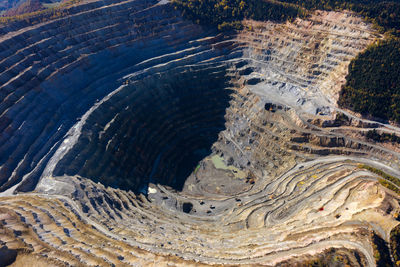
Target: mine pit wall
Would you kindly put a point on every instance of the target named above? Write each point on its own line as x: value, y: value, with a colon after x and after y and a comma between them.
x: 305, y: 61
x: 53, y: 73
x: 17, y: 25
x: 274, y: 77
x: 88, y: 61
x: 154, y: 130
x: 296, y: 69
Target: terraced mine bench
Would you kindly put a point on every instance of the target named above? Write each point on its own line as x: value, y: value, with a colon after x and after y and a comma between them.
x: 131, y: 136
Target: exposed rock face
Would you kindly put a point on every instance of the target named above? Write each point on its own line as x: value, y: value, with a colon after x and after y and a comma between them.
x: 232, y: 138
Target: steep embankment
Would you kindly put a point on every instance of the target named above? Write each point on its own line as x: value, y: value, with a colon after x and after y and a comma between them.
x: 236, y: 140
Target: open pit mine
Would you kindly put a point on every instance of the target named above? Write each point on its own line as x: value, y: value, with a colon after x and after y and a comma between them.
x: 130, y: 136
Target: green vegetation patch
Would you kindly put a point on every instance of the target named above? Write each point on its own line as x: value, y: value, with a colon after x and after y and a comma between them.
x: 53, y: 12
x: 373, y: 82
x: 382, y: 13
x: 227, y: 14
x: 383, y: 137
x: 389, y: 185
x: 395, y: 244
x: 386, y: 178
x: 381, y: 251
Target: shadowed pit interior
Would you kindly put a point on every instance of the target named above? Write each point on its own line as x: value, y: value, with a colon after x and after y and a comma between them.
x: 154, y: 130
